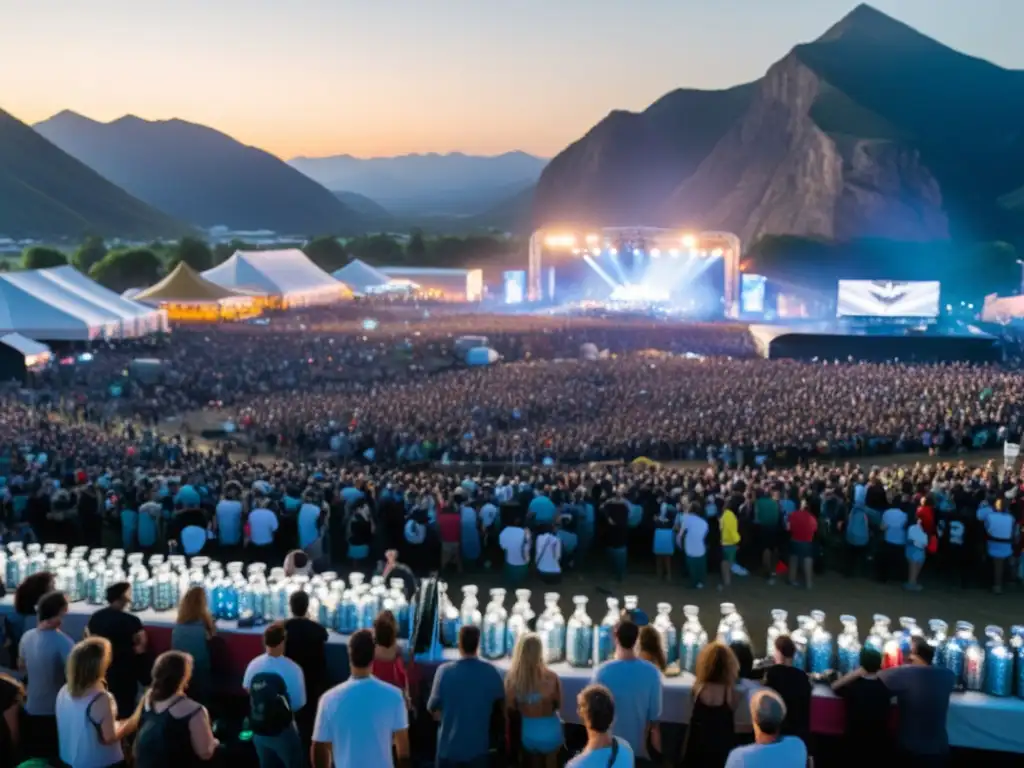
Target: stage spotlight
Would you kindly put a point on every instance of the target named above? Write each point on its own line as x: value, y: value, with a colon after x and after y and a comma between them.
x: 575, y: 251
x: 593, y: 239
x: 595, y: 251
x: 614, y: 251
x: 689, y: 241
x: 655, y: 253
x: 636, y: 251
x: 717, y: 253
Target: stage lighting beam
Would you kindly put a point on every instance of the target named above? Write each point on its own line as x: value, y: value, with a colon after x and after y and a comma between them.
x: 689, y: 241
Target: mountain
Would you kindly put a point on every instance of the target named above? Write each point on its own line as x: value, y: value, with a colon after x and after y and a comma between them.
x: 511, y: 214
x: 871, y: 131
x: 627, y: 165
x: 44, y: 192
x: 427, y: 184
x: 364, y: 206
x: 200, y: 175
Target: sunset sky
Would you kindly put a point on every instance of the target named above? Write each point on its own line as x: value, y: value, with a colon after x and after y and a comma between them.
x: 382, y: 77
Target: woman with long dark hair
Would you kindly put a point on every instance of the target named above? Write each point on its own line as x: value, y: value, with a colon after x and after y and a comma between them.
x: 174, y: 730
x: 192, y: 634
x: 710, y: 734
x: 26, y: 598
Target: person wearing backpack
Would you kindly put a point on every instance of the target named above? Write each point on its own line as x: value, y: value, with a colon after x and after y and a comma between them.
x: 277, y: 690
x: 857, y: 530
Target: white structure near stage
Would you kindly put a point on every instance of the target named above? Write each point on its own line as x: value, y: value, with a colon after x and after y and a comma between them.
x: 287, y: 278
x: 61, y: 304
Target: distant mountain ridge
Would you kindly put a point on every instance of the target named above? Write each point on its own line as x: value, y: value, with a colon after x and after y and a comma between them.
x: 200, y: 175
x: 454, y: 184
x: 873, y: 130
x: 45, y: 192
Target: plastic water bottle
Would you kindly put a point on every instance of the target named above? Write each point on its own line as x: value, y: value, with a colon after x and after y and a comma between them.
x: 848, y: 645
x: 551, y: 628
x: 776, y: 629
x: 604, y: 634
x: 692, y: 638
x: 579, y: 635
x: 667, y: 632
x: 820, y: 650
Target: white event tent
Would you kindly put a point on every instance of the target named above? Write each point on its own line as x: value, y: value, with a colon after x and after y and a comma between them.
x: 286, y: 276
x: 63, y: 305
x: 361, y: 277
x: 139, y: 319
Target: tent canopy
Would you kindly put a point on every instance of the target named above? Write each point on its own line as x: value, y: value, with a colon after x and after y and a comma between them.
x: 288, y: 274
x: 45, y: 317
x: 359, y: 276
x: 138, y: 319
x: 185, y: 285
x: 24, y: 345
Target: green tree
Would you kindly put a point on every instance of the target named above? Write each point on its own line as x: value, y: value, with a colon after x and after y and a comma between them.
x: 380, y: 250
x: 41, y: 257
x: 131, y: 268
x: 223, y: 251
x: 327, y: 253
x: 193, y: 252
x: 416, y: 248
x: 91, y: 251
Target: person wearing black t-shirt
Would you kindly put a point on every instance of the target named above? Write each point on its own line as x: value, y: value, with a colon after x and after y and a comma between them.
x: 868, y: 704
x: 616, y: 534
x: 793, y: 686
x: 306, y: 645
x: 128, y: 641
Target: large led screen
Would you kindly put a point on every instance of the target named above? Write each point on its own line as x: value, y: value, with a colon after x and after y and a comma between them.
x: 888, y: 298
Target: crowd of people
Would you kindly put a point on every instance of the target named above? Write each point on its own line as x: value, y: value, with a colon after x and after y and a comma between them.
x: 106, y: 699
x: 371, y: 448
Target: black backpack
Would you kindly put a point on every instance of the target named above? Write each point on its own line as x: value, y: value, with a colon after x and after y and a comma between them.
x: 269, y: 710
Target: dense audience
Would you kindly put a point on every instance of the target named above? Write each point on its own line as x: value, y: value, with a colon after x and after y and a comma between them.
x: 370, y: 448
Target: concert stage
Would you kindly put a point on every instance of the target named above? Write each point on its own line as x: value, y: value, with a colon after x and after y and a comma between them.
x: 878, y: 344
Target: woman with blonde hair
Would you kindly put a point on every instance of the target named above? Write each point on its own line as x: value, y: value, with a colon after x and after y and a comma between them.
x: 711, y: 733
x: 535, y: 692
x: 650, y: 647
x: 192, y: 634
x: 88, y: 730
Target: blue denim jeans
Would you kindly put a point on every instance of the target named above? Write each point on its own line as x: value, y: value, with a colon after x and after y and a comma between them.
x: 281, y: 751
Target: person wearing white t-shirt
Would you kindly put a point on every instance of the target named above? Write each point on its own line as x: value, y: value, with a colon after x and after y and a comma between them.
x: 549, y: 556
x: 917, y: 546
x: 999, y: 525
x: 515, y: 542
x: 894, y: 534
x: 358, y: 721
x: 693, y: 533
x: 285, y: 747
x: 262, y: 524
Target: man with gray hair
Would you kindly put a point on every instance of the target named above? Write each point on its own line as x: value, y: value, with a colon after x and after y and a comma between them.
x: 770, y: 749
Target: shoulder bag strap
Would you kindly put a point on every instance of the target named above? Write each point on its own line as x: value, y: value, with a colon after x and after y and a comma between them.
x: 615, y: 752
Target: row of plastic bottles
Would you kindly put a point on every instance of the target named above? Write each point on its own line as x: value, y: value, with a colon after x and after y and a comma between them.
x: 160, y: 583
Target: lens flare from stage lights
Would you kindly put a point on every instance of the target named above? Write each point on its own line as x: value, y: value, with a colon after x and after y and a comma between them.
x: 639, y: 294
x: 689, y: 241
x: 560, y: 241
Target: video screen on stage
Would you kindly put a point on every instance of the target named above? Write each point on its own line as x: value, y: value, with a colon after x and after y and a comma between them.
x: 515, y: 287
x: 752, y: 294
x: 888, y: 298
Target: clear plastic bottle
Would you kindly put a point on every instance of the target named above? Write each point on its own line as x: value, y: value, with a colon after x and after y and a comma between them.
x: 519, y: 620
x: 801, y: 638
x: 821, y: 650
x: 495, y: 626
x: 604, y: 633
x: 938, y: 640
x: 667, y: 632
x: 551, y: 628
x: 776, y: 629
x: 579, y: 635
x: 848, y: 645
x: 692, y: 638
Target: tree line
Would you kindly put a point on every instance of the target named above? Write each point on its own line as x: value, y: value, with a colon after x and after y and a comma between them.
x: 140, y: 266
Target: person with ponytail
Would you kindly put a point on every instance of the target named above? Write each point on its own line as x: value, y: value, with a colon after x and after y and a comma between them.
x: 174, y: 731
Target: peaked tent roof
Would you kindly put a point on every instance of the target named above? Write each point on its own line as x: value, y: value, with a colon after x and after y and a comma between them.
x: 24, y: 311
x: 287, y: 273
x: 185, y: 285
x: 360, y: 275
x: 138, y: 318
x: 52, y: 293
x: 24, y: 344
